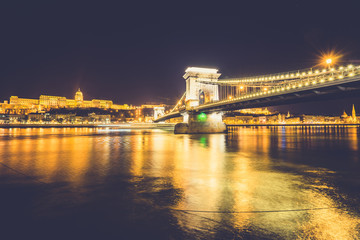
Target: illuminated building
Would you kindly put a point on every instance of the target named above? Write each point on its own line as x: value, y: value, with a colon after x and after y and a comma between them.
x: 79, y: 98
x: 353, y: 115
x: 23, y: 101
x: 51, y: 101
x: 262, y: 111
x: 344, y: 115
x: 19, y: 105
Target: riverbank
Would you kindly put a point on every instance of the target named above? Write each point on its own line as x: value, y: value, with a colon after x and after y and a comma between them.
x: 121, y: 125
x: 296, y: 125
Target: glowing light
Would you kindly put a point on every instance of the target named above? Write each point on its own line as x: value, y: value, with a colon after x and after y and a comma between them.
x: 201, y: 70
x: 202, y: 117
x: 330, y: 58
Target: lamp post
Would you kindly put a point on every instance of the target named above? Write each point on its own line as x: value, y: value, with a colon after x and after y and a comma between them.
x: 328, y: 62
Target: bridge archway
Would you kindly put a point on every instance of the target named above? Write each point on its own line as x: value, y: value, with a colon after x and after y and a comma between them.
x: 202, y: 99
x: 201, y: 86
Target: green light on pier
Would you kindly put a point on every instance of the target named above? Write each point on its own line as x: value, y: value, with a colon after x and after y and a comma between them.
x: 202, y: 117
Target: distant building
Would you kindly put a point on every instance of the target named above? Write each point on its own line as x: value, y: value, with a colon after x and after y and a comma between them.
x: 350, y: 119
x: 344, y: 115
x: 45, y: 102
x: 257, y: 111
x: 353, y: 115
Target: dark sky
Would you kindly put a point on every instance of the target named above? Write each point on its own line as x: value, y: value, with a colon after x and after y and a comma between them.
x: 136, y: 51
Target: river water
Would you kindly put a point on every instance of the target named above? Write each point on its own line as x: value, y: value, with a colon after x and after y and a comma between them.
x: 254, y: 183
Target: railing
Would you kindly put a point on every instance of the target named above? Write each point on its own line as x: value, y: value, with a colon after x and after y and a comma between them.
x: 310, y: 80
x: 292, y: 75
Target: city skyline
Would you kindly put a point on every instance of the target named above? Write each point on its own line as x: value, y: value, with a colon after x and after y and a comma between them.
x: 112, y: 52
x: 331, y: 107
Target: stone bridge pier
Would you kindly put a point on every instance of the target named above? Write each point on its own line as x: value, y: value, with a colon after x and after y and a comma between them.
x: 201, y: 88
x: 201, y: 123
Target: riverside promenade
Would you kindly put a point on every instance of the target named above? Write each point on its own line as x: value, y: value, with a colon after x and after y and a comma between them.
x: 118, y: 125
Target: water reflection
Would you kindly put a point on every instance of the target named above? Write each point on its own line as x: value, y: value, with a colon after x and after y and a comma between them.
x: 246, y: 172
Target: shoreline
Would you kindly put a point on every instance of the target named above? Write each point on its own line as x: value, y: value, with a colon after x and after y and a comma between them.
x: 296, y: 125
x: 168, y: 125
x: 120, y: 125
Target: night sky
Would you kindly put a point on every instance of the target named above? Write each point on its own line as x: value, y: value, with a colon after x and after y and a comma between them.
x: 136, y: 51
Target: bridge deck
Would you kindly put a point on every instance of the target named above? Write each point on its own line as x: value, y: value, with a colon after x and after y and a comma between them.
x: 312, y: 88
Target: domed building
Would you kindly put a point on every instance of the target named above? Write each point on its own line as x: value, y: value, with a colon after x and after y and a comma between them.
x: 19, y: 105
x: 79, y: 96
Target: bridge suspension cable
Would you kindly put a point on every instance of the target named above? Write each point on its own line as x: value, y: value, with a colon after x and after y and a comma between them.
x: 309, y: 80
x: 236, y: 87
x: 249, y: 92
x: 179, y: 103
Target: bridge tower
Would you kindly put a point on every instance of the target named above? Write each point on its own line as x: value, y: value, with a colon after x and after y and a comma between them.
x: 200, y: 86
x: 158, y: 111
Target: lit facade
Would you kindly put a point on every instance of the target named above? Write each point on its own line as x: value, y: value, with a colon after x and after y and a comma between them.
x: 198, y: 93
x: 19, y: 105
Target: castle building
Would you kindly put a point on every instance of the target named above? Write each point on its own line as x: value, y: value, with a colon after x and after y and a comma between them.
x: 79, y: 96
x: 19, y: 105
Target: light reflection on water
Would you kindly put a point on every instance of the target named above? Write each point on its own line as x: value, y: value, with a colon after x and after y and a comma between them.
x: 252, y: 170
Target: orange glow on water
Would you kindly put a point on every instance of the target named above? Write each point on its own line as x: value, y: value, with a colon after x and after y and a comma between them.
x: 210, y: 172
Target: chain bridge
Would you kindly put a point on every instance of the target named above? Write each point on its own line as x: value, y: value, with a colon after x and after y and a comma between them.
x: 207, y: 97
